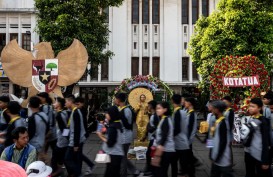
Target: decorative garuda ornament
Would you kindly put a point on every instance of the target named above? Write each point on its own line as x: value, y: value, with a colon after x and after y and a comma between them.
x: 45, y: 73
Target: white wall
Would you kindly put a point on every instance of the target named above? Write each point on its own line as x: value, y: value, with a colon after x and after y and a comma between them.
x: 16, y: 3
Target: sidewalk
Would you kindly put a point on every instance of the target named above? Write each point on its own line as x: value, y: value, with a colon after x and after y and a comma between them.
x: 93, y: 145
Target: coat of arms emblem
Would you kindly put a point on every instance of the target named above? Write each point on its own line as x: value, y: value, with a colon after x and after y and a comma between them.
x: 45, y: 74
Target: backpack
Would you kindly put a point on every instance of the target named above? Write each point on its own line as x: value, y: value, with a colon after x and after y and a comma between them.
x: 124, y: 120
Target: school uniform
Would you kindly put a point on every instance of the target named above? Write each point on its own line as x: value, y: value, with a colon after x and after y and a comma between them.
x: 220, y: 152
x: 126, y: 116
x: 4, y: 120
x: 229, y: 118
x: 13, y: 123
x: 114, y: 148
x: 185, y: 127
x: 257, y: 148
x: 151, y: 129
x: 73, y: 159
x: 164, y: 137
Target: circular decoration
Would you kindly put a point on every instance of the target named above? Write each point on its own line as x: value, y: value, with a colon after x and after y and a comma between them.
x: 135, y: 94
x: 237, y: 67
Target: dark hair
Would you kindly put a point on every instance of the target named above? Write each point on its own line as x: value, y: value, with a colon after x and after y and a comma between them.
x: 4, y: 99
x: 176, y: 99
x: 14, y: 107
x: 113, y: 113
x: 185, y: 95
x: 269, y: 95
x: 71, y: 98
x: 153, y: 104
x: 219, y: 104
x: 228, y: 98
x: 17, y: 131
x: 166, y: 105
x: 121, y: 96
x: 79, y: 100
x: 257, y: 101
x: 192, y: 101
x: 34, y: 102
x: 46, y: 96
x: 61, y: 101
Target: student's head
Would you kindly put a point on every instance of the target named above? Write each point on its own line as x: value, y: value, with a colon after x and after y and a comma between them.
x: 112, y: 114
x: 4, y: 100
x: 268, y: 97
x: 176, y: 99
x: 45, y: 98
x: 152, y: 105
x: 163, y: 109
x: 59, y: 103
x: 79, y: 102
x: 209, y: 106
x: 218, y: 107
x: 190, y: 102
x: 34, y: 102
x: 183, y: 97
x: 227, y: 100
x: 142, y: 98
x: 70, y: 101
x: 120, y: 98
x: 255, y: 106
x: 20, y: 136
x: 14, y: 108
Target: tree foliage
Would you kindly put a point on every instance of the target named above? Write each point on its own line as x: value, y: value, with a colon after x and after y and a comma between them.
x: 59, y: 21
x: 238, y: 28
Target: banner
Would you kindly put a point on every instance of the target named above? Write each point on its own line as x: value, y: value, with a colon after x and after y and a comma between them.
x: 241, y: 81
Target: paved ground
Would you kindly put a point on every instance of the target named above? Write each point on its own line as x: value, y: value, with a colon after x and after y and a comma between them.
x: 93, y: 145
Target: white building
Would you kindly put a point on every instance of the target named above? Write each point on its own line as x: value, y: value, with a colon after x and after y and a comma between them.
x: 147, y: 37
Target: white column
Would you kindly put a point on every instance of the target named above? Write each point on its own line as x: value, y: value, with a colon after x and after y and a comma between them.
x: 151, y: 36
x: 88, y: 79
x: 7, y: 29
x: 99, y: 73
x: 190, y: 33
x: 140, y: 37
x: 180, y: 37
x: 110, y: 43
x: 129, y: 37
x: 19, y: 31
x: 200, y: 8
x: 161, y: 41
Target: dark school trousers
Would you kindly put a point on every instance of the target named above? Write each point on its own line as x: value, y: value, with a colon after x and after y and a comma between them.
x: 217, y: 171
x: 125, y: 163
x: 113, y: 168
x: 166, y: 160
x: 73, y: 161
x: 254, y: 167
x: 186, y: 163
x: 148, y: 156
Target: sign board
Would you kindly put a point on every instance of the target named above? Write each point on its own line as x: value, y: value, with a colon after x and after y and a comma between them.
x: 241, y: 81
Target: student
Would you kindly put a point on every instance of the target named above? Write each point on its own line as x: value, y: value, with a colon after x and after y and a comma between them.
x: 267, y: 99
x: 151, y: 129
x: 80, y: 105
x: 210, y: 119
x: 37, y: 127
x: 219, y: 142
x: 21, y: 152
x: 73, y: 156
x: 257, y: 151
x: 4, y: 119
x: 112, y: 143
x: 165, y: 149
x: 127, y: 124
x: 46, y: 107
x: 229, y: 115
x: 13, y: 111
x: 57, y: 160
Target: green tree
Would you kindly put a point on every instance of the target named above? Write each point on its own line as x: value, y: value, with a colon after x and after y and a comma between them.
x: 51, y: 66
x: 237, y: 27
x: 59, y: 21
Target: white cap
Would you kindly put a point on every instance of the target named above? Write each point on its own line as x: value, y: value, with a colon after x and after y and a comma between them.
x: 38, y: 169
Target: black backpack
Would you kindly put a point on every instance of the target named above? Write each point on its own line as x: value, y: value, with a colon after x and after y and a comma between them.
x: 124, y: 120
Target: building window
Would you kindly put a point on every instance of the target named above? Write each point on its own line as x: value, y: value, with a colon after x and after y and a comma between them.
x: 106, y: 13
x: 155, y: 45
x: 156, y: 18
x: 205, y: 7
x: 26, y: 41
x: 185, y: 45
x: 155, y: 29
x: 135, y: 45
x: 94, y: 71
x: 145, y: 29
x: 185, y: 29
x: 156, y: 66
x: 185, y: 11
x: 134, y: 66
x: 145, y: 45
x: 145, y: 12
x: 145, y: 66
x: 104, y: 70
x: 2, y: 41
x: 194, y: 72
x: 135, y: 29
x: 195, y: 4
x: 13, y: 36
x: 185, y: 68
x: 135, y: 11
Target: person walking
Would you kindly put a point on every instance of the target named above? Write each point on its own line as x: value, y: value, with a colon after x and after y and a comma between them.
x: 112, y: 143
x: 4, y: 118
x: 73, y: 156
x: 165, y: 148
